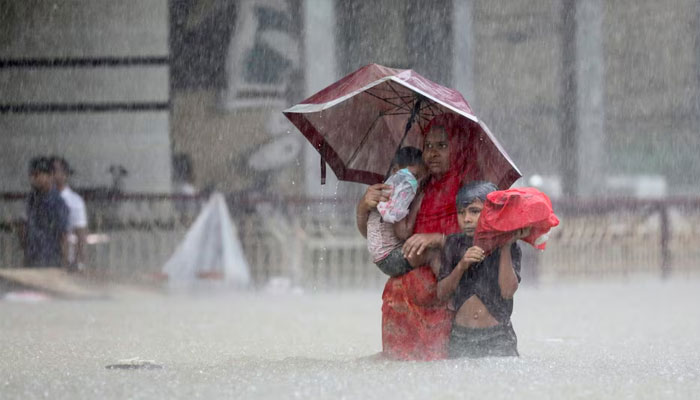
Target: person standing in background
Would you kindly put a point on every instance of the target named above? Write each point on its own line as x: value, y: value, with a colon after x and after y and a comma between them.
x: 45, y: 241
x: 185, y: 191
x: 77, y: 215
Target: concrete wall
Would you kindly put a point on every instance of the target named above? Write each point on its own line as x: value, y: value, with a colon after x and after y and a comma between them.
x: 517, y: 66
x: 220, y: 142
x: 652, y: 62
x: 651, y: 88
x: 91, y: 141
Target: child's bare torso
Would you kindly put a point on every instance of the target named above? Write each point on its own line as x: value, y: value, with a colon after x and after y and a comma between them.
x: 474, y: 314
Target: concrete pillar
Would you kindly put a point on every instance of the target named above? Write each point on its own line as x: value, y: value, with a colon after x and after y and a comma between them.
x: 567, y: 121
x: 590, y: 97
x: 463, y: 51
x: 583, y: 95
x: 320, y: 70
x: 696, y: 94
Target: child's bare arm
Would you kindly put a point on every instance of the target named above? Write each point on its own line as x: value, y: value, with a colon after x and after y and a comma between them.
x: 373, y: 195
x: 435, y: 261
x: 404, y: 228
x: 507, y: 279
x: 447, y: 286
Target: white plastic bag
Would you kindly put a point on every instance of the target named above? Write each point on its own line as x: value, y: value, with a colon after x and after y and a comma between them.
x: 210, y: 247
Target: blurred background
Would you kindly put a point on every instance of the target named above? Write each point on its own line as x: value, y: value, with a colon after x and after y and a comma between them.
x: 155, y: 104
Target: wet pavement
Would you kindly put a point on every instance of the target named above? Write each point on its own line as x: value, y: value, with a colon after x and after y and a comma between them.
x: 588, y: 340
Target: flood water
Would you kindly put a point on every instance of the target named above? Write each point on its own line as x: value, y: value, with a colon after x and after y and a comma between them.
x: 588, y: 340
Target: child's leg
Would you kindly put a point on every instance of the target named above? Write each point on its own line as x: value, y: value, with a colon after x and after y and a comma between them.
x: 394, y: 264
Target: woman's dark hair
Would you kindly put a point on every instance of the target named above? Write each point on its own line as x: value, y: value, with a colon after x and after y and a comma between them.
x: 406, y: 156
x: 472, y: 191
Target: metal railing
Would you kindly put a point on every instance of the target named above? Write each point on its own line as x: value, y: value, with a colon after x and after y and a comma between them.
x: 314, y: 243
x: 622, y: 236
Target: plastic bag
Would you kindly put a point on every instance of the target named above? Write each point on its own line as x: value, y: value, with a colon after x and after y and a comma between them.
x: 210, y: 249
x: 404, y: 186
x: 506, y: 211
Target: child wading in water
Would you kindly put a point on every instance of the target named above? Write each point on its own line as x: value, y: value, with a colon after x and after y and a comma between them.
x: 392, y: 221
x: 479, y: 287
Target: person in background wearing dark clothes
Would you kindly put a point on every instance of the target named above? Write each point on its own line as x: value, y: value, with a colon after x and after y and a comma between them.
x: 479, y: 287
x: 46, y: 235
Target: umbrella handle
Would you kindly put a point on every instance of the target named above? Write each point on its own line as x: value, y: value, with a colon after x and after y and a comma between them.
x: 323, y: 163
x: 414, y: 112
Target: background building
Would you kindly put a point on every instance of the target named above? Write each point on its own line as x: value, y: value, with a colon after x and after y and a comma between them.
x: 88, y: 80
x: 595, y: 97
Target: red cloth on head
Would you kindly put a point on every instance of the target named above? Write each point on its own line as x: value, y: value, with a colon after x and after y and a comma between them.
x: 506, y: 211
x: 415, y: 324
x: 438, y: 212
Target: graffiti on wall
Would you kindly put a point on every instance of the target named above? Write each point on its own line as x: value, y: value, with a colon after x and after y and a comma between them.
x: 264, y: 56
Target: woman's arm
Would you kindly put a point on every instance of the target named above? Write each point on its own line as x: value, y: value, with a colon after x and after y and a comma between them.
x: 447, y: 286
x: 418, y: 243
x: 404, y: 228
x: 373, y: 195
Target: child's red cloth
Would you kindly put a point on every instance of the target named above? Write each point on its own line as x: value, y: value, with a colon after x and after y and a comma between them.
x: 506, y: 211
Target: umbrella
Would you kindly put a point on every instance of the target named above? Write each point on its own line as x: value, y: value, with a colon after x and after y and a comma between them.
x: 359, y: 122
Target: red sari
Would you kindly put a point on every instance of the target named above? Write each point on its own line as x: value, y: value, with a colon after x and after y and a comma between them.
x: 415, y: 324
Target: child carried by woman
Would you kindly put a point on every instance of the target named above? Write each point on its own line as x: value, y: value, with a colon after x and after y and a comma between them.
x: 392, y: 221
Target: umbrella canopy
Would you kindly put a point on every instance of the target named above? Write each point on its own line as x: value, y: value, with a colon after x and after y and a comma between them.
x: 359, y: 122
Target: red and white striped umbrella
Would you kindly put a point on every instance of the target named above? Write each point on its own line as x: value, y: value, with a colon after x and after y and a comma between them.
x: 359, y: 122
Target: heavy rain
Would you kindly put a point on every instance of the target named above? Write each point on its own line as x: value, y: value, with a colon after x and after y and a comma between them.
x: 190, y: 199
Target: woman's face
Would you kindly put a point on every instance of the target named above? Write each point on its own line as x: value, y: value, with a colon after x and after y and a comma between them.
x: 436, y: 151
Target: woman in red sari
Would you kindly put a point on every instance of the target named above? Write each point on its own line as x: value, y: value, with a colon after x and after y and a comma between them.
x: 415, y: 324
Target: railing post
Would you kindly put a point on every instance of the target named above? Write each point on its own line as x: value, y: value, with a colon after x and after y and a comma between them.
x: 665, y: 239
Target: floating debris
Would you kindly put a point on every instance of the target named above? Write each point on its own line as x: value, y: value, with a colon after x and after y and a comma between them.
x: 135, y: 363
x: 25, y: 296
